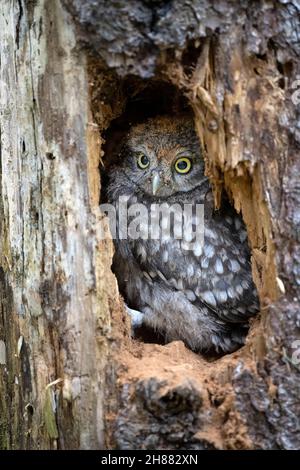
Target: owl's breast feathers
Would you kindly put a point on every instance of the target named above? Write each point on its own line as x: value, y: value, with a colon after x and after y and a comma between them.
x: 215, y: 274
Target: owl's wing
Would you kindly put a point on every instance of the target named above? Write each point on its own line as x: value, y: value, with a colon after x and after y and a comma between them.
x: 216, y: 274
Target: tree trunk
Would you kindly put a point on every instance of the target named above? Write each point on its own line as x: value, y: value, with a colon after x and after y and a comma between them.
x: 55, y: 280
x: 71, y: 377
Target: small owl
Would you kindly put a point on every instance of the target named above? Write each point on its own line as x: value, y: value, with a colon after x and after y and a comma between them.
x: 198, y: 292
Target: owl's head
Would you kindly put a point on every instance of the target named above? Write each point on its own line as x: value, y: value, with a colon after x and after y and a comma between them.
x: 163, y: 156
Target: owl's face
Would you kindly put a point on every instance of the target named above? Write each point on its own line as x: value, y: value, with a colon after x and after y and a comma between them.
x: 163, y: 157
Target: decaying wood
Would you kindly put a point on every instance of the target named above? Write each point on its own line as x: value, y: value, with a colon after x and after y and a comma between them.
x: 69, y: 377
x: 55, y: 279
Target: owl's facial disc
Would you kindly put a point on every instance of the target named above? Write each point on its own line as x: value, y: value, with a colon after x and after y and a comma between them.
x: 163, y: 178
x: 164, y: 157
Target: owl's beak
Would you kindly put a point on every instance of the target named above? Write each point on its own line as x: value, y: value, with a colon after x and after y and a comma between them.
x: 156, y: 183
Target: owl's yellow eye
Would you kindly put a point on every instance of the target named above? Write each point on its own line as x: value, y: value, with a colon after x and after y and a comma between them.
x: 183, y: 165
x: 143, y: 161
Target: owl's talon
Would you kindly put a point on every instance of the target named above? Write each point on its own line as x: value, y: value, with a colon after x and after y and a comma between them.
x: 136, y: 317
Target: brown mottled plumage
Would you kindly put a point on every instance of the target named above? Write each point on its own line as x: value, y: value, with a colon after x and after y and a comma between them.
x: 203, y: 296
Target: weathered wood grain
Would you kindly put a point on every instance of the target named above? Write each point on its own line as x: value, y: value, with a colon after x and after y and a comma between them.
x: 55, y: 284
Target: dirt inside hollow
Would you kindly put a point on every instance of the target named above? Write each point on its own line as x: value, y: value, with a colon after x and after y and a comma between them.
x: 163, y: 370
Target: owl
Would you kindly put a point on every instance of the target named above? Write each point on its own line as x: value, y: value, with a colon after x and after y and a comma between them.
x: 200, y: 292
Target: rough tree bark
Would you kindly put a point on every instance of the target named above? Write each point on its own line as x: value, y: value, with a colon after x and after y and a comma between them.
x: 70, y: 375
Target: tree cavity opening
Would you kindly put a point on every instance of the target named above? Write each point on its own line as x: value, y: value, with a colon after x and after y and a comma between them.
x: 132, y: 101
